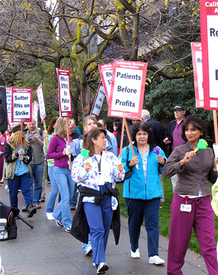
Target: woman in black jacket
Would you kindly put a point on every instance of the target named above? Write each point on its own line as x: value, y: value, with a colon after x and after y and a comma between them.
x: 18, y: 155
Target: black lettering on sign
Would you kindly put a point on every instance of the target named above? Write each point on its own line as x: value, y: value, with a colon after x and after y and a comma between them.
x: 213, y: 32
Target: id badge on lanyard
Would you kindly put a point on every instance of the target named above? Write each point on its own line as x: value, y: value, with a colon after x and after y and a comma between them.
x: 186, y: 207
x: 100, y: 178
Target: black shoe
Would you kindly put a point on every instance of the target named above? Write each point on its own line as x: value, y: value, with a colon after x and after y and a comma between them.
x: 42, y: 198
x: 31, y: 210
x: 24, y: 209
x: 72, y: 207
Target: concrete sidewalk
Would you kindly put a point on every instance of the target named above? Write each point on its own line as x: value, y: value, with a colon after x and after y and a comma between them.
x: 47, y: 249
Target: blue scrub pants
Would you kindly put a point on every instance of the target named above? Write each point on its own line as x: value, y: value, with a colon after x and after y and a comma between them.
x: 99, y: 219
x: 149, y: 210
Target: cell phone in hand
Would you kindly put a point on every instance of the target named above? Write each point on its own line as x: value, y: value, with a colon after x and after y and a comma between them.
x: 30, y: 137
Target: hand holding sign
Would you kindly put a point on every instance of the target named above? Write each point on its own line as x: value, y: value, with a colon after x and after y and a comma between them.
x: 67, y: 151
x: 20, y: 153
x: 134, y: 161
x: 120, y: 167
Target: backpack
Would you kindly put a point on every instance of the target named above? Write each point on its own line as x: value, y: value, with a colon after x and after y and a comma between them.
x: 8, y: 227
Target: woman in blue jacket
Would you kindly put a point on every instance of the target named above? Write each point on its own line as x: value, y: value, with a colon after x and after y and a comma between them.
x: 143, y: 191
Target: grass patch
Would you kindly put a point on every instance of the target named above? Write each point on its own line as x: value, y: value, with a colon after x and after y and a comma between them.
x: 165, y: 215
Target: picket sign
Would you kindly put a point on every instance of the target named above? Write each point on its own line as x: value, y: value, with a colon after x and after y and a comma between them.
x: 127, y: 89
x: 41, y: 102
x: 21, y: 108
x: 98, y: 102
x: 35, y: 109
x: 198, y: 73
x: 42, y: 108
x: 65, y: 101
x: 9, y: 104
x: 106, y: 71
x: 209, y: 41
x: 127, y: 93
x: 124, y: 84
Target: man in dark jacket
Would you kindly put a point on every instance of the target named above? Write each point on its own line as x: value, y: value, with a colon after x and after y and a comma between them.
x: 174, y: 129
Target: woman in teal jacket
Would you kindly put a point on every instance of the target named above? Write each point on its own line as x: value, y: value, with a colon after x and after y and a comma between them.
x: 143, y: 191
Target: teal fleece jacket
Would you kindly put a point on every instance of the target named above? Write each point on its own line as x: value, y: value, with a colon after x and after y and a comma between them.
x: 136, y: 187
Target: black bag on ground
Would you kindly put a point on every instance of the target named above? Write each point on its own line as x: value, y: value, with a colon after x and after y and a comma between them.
x: 8, y: 230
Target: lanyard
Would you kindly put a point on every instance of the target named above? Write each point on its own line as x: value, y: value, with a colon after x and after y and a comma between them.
x: 99, y: 163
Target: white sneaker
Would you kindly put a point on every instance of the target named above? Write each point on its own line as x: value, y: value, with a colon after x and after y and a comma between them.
x: 136, y: 254
x: 156, y: 260
x: 68, y: 229
x: 50, y: 216
x: 102, y: 268
x: 89, y: 250
x: 59, y: 223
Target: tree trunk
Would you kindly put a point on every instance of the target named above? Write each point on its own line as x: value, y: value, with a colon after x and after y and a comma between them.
x: 85, y: 97
x: 75, y: 105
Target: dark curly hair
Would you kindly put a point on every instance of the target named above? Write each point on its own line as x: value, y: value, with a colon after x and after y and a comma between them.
x: 197, y: 124
x: 142, y: 126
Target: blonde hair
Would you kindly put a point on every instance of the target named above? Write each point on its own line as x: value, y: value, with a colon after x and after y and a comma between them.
x: 72, y: 120
x: 16, y: 140
x: 86, y: 119
x: 60, y: 127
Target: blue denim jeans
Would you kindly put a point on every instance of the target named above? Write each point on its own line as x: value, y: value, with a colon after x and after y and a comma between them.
x: 23, y: 183
x: 54, y: 191
x: 73, y: 201
x: 36, y: 182
x: 66, y: 189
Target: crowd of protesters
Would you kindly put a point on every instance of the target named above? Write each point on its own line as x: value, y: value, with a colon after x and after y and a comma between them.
x: 84, y: 170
